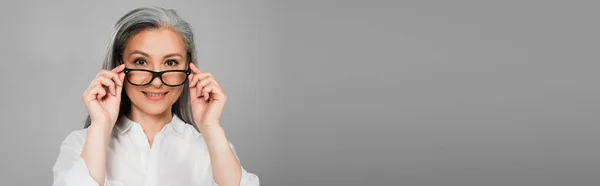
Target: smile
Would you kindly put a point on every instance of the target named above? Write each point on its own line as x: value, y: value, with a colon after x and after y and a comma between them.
x: 155, y: 95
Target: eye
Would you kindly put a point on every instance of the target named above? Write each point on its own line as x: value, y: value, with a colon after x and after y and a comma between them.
x: 171, y: 63
x: 139, y: 62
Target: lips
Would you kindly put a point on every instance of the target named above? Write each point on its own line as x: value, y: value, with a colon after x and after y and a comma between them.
x: 154, y: 96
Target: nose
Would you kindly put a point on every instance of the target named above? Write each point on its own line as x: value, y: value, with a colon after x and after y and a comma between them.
x: 156, y: 82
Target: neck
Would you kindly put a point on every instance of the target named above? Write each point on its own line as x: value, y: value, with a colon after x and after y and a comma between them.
x: 151, y: 123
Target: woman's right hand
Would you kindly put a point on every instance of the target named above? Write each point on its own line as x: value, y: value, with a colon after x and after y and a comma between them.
x: 103, y: 97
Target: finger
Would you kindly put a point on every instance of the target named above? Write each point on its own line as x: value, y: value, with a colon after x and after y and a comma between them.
x: 112, y: 75
x: 109, y: 83
x: 198, y: 77
x: 206, y: 91
x: 194, y: 68
x: 100, y: 92
x: 192, y: 82
x: 215, y: 82
x: 205, y: 81
x: 209, y: 81
x: 216, y: 89
x: 90, y: 93
x: 118, y: 69
x: 198, y: 91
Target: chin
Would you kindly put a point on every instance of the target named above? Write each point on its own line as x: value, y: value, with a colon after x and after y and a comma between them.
x: 155, y: 109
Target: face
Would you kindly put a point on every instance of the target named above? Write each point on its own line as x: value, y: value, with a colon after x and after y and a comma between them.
x: 156, y: 50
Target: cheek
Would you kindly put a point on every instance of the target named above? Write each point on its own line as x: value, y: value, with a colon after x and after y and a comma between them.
x: 176, y: 92
x: 130, y: 90
x: 134, y: 93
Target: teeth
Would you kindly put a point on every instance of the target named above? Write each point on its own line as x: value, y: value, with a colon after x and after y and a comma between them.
x: 150, y: 94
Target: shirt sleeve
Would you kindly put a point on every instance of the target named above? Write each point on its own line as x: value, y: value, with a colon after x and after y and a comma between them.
x: 248, y: 179
x: 70, y: 169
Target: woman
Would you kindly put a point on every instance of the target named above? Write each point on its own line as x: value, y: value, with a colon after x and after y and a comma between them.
x: 154, y: 117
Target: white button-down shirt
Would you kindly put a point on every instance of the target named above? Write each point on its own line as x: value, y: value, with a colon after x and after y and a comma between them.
x: 179, y: 156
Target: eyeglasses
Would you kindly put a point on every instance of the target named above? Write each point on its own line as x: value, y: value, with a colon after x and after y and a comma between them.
x: 143, y: 77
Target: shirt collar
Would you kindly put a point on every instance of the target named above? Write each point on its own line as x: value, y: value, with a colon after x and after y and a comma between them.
x: 124, y: 124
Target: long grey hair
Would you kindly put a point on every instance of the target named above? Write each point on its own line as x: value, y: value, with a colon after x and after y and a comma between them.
x: 150, y: 18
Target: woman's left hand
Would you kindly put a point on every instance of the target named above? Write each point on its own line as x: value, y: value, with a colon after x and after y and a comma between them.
x: 206, y: 97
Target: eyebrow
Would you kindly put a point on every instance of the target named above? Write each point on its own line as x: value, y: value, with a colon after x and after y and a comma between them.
x: 139, y: 52
x: 172, y: 55
x: 147, y: 55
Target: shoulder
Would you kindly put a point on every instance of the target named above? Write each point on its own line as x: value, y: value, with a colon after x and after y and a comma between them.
x: 189, y: 133
x: 77, y: 134
x: 75, y: 140
x: 184, y: 130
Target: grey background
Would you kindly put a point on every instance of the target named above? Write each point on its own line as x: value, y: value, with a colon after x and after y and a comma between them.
x: 423, y: 93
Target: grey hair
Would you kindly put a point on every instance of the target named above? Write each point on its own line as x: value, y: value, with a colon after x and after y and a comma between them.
x: 150, y: 18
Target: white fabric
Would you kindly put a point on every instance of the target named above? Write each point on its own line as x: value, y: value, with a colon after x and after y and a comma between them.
x: 179, y: 156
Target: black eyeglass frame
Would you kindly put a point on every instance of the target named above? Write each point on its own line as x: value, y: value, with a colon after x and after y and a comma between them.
x: 156, y: 74
x: 159, y: 74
